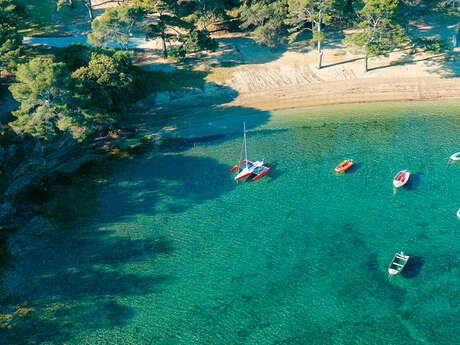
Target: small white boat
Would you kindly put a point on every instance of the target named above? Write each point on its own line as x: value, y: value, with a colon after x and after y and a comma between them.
x: 397, y: 264
x: 455, y: 156
x: 458, y: 213
x: 401, y: 178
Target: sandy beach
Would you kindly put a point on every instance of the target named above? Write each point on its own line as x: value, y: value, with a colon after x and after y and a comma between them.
x: 351, y: 91
x: 291, y: 80
x: 268, y: 79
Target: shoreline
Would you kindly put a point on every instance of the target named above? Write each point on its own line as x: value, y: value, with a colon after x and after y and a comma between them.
x: 355, y: 91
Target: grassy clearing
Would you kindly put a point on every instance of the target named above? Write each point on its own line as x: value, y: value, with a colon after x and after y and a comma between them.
x: 42, y: 17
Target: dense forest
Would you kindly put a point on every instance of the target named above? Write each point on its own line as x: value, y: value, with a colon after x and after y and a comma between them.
x: 71, y: 95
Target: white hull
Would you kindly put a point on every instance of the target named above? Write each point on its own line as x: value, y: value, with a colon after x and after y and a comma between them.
x: 455, y: 156
x: 249, y: 169
x: 401, y: 182
x: 245, y: 172
x: 398, y: 263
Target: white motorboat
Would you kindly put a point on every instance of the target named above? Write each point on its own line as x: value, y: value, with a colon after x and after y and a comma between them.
x: 401, y: 178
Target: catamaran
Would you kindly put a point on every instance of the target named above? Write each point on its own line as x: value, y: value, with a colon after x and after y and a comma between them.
x: 249, y: 167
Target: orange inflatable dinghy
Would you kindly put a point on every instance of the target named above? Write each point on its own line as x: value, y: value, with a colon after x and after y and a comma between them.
x: 344, y: 166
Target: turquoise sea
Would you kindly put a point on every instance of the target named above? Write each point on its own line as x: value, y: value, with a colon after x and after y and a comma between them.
x: 164, y: 247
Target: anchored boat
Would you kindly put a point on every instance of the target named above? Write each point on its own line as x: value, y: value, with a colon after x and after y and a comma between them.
x: 248, y: 167
x: 401, y: 178
x: 455, y: 156
x: 397, y: 264
x: 344, y: 166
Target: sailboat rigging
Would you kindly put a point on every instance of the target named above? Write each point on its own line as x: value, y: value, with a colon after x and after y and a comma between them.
x: 249, y: 167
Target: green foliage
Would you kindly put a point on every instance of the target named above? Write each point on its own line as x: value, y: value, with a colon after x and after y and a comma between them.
x: 43, y: 92
x: 55, y: 102
x: 309, y: 15
x: 169, y: 20
x: 379, y: 32
x: 205, y: 12
x: 74, y: 56
x: 432, y: 45
x: 10, y: 39
x: 344, y: 11
x: 176, y: 54
x: 266, y: 18
x: 197, y: 40
x: 115, y: 26
x: 105, y: 85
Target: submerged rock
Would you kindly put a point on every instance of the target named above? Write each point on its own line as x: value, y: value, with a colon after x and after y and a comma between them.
x: 6, y: 212
x: 72, y: 165
x: 38, y: 226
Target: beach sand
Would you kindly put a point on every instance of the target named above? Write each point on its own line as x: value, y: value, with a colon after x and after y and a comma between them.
x: 292, y: 80
x: 268, y: 79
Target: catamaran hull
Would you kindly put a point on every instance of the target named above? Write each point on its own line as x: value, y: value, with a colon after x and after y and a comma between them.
x: 261, y: 174
x: 238, y: 165
x: 242, y: 176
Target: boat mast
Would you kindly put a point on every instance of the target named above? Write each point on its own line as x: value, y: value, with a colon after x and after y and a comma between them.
x: 245, y: 148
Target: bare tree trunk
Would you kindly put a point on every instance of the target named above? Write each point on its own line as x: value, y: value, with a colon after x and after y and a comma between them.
x: 457, y: 35
x: 71, y: 4
x: 320, y: 53
x: 366, y: 68
x: 163, y: 41
x: 90, y: 9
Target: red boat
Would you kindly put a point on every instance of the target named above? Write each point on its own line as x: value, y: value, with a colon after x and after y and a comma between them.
x: 344, y: 166
x: 401, y: 178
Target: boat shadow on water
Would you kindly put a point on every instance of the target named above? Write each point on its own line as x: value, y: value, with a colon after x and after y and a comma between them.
x: 414, y: 181
x: 274, y: 173
x: 413, y: 267
x: 354, y: 168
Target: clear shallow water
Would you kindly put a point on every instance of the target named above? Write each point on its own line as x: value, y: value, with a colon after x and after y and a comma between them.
x: 165, y: 248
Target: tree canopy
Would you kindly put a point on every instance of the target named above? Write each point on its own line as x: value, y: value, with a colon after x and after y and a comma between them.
x: 55, y: 102
x: 115, y: 26
x: 105, y: 84
x: 43, y: 92
x: 379, y: 31
x: 266, y: 19
x: 10, y: 39
x: 310, y: 15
